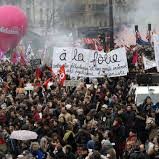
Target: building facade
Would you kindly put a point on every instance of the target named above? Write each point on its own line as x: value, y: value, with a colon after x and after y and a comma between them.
x: 46, y: 15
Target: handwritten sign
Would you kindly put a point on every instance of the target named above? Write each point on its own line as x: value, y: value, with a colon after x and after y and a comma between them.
x: 89, y: 63
x: 118, y: 65
x: 61, y: 56
x: 79, y: 62
x: 148, y: 64
x: 156, y: 49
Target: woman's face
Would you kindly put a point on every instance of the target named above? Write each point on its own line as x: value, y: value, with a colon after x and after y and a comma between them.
x: 148, y: 101
x: 88, y: 117
x: 61, y: 120
x: 129, y: 99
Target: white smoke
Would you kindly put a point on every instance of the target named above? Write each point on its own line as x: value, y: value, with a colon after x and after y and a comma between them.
x: 141, y: 13
x: 145, y: 12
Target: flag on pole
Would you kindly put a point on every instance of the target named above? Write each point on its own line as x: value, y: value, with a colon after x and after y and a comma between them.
x: 22, y: 59
x: 135, y: 58
x: 62, y: 75
x: 45, y: 84
x: 38, y: 73
x: 29, y: 52
x: 14, y: 58
x: 51, y: 71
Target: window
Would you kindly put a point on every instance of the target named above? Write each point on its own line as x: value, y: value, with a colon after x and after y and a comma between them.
x: 105, y: 24
x: 47, y: 16
x: 41, y: 13
x: 28, y: 11
x: 100, y: 24
x: 41, y: 17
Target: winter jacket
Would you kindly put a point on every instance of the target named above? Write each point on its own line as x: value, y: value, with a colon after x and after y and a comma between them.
x: 138, y: 155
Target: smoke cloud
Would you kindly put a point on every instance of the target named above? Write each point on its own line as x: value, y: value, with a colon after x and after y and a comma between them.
x: 141, y: 13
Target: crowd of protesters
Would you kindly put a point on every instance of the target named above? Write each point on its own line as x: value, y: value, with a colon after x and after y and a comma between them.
x: 95, y: 121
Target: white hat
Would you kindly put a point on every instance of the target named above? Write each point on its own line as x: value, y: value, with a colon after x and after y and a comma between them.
x: 106, y: 142
x: 20, y: 156
x: 105, y: 106
x: 68, y: 106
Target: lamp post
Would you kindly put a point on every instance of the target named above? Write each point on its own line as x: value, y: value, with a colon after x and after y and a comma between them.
x: 111, y: 24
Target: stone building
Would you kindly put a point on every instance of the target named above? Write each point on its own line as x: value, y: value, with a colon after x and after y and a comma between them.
x: 46, y: 15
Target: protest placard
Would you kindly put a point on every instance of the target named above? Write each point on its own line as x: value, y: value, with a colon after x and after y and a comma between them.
x: 156, y: 49
x: 148, y: 64
x: 117, y: 64
x: 61, y: 56
x: 89, y: 63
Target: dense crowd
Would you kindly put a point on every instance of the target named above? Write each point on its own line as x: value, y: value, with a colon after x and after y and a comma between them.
x: 95, y: 120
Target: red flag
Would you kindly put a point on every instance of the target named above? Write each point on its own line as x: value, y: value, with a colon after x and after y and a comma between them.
x: 22, y: 59
x: 62, y: 75
x: 135, y: 58
x: 46, y: 83
x: 14, y: 58
x: 38, y: 73
x: 51, y: 71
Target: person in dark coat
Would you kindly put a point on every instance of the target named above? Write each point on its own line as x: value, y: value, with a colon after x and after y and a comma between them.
x: 140, y: 125
x: 138, y: 154
x: 60, y: 154
x: 129, y: 117
x: 69, y: 153
x: 119, y: 137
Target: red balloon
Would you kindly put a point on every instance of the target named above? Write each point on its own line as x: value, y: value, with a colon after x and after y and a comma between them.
x: 13, y: 26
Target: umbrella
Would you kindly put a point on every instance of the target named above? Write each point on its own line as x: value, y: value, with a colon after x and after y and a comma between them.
x: 23, y: 135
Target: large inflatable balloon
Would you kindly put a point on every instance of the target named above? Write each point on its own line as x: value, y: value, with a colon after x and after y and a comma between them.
x: 13, y: 26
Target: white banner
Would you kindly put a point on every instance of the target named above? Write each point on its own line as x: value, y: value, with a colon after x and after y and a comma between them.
x: 89, y: 63
x: 156, y: 48
x: 61, y: 56
x: 148, y: 64
x: 117, y: 64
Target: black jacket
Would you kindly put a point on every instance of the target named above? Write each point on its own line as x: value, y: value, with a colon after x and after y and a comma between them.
x: 138, y: 155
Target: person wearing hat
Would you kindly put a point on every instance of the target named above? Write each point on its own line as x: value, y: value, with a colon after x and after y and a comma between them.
x: 68, y: 152
x: 105, y: 117
x: 107, y: 148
